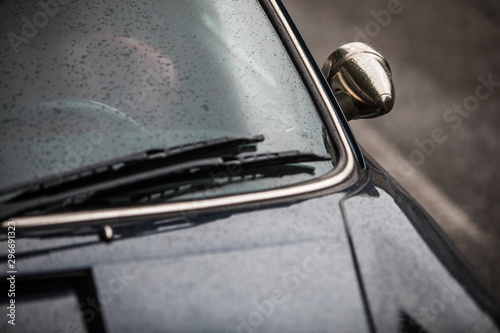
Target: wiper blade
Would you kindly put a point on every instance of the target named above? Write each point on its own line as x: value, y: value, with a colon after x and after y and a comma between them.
x: 50, y: 189
x: 189, y: 151
x: 83, y: 192
x: 204, y: 167
x: 283, y: 157
x: 189, y: 186
x: 234, y: 169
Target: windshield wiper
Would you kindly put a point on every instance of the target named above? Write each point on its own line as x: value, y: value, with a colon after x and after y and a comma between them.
x: 229, y: 170
x: 189, y: 163
x: 198, y: 149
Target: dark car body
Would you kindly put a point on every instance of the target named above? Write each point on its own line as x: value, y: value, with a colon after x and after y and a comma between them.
x: 348, y: 251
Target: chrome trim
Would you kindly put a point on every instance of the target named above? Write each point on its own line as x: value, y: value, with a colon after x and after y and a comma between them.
x: 343, y: 176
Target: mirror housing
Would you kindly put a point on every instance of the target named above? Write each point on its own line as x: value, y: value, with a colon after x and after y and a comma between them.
x: 361, y: 80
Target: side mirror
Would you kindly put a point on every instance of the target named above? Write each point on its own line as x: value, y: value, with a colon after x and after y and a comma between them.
x: 361, y: 80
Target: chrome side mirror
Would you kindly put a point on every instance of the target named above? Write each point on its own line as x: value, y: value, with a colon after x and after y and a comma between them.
x: 361, y: 80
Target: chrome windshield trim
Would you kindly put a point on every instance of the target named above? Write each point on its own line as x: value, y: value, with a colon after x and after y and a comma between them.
x: 343, y: 176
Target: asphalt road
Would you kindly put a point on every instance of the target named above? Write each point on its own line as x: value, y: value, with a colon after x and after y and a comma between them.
x: 441, y: 139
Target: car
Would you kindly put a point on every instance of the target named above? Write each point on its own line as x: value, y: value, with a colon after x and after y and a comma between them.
x: 186, y: 166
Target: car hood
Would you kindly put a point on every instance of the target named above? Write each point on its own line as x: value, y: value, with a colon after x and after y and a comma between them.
x: 333, y: 263
x: 262, y: 269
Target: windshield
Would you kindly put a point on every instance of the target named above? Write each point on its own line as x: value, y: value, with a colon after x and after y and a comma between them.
x: 84, y: 82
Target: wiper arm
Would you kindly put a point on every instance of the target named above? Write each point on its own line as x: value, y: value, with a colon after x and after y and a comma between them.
x: 234, y: 169
x: 83, y: 192
x: 103, y: 175
x: 194, y: 150
x: 190, y: 170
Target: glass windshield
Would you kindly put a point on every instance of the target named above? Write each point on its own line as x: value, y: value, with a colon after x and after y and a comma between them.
x: 87, y: 81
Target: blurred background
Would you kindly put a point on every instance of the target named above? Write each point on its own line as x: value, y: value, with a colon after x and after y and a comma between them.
x: 441, y: 140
